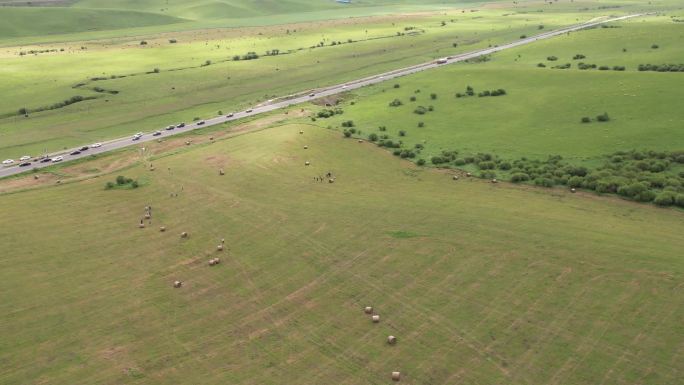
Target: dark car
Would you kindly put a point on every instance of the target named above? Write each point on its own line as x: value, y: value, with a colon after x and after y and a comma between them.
x: 24, y: 164
x: 201, y: 122
x: 157, y: 133
x: 248, y: 111
x: 169, y: 128
x: 230, y: 115
x: 75, y: 152
x: 45, y: 160
x: 84, y: 148
x: 180, y: 125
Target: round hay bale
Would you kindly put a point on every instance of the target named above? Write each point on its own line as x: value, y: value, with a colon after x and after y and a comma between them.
x: 301, y: 132
x: 152, y: 168
x: 495, y: 181
x: 391, y: 340
x: 162, y: 229
x: 573, y: 190
x: 187, y: 143
x: 212, y: 262
x: 217, y: 261
x: 35, y: 177
x: 184, y: 234
x: 148, y: 216
x: 177, y: 284
x: 211, y: 138
x: 360, y: 141
x: 469, y: 174
x: 396, y: 376
x: 306, y: 147
x: 307, y: 163
x: 221, y: 172
x: 376, y: 318
x: 455, y: 177
x: 368, y: 309
x: 331, y: 180
x: 219, y: 247
x: 141, y: 225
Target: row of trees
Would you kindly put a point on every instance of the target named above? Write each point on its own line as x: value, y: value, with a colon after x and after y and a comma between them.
x: 662, y: 67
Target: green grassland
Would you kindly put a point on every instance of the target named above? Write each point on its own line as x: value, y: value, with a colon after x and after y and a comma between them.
x: 481, y: 283
x: 540, y: 115
x: 184, y: 88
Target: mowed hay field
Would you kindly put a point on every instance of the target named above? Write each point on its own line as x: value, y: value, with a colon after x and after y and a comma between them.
x: 481, y: 283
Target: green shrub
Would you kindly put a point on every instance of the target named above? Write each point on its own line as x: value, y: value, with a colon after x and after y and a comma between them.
x: 421, y: 124
x: 519, y: 177
x: 373, y: 137
x: 545, y: 182
x: 420, y: 110
x: 395, y: 103
x: 402, y: 133
x: 505, y: 166
x: 603, y: 117
x: 109, y: 185
x: 459, y: 162
x: 421, y: 162
x: 575, y: 181
x: 348, y: 123
x: 679, y: 200
x: 586, y: 119
x: 397, y: 86
x: 134, y: 184
x: 346, y: 133
x: 437, y: 160
x: 121, y: 180
x: 433, y: 96
x: 486, y: 165
x: 665, y: 198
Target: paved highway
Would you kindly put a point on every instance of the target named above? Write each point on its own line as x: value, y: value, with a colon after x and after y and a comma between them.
x: 302, y: 98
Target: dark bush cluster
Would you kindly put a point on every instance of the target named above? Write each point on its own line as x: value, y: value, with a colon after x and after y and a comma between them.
x: 661, y: 67
x: 122, y: 181
x: 604, y: 117
x: 551, y: 58
x: 395, y: 103
x: 247, y: 56
x: 562, y: 66
x: 644, y: 176
x: 327, y: 113
x: 585, y: 66
x: 389, y: 143
x: 348, y: 123
x: 578, y: 57
x: 64, y: 103
x: 499, y: 92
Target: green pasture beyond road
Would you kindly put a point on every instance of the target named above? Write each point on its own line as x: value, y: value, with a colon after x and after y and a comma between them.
x: 198, y: 77
x: 480, y: 283
x: 540, y: 115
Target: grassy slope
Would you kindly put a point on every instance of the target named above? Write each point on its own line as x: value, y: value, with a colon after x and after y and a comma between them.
x: 31, y: 21
x: 481, y: 283
x: 222, y: 86
x: 541, y: 114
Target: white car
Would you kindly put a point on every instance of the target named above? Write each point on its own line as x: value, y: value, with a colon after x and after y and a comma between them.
x: 8, y: 161
x: 137, y: 136
x: 25, y: 157
x: 96, y: 145
x: 57, y: 159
